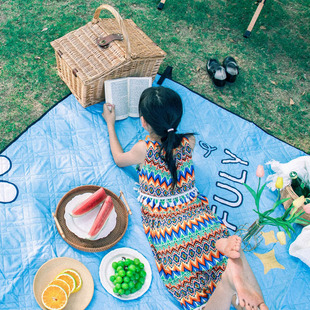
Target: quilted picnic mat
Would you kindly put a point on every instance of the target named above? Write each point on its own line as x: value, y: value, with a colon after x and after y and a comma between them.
x: 68, y: 147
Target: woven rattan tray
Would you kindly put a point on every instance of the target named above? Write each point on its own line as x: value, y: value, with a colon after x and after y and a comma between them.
x: 85, y: 244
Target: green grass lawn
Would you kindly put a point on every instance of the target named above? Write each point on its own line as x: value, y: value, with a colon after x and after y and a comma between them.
x: 272, y: 89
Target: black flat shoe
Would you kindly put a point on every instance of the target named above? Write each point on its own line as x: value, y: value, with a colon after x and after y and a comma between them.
x: 231, y: 68
x: 216, y: 72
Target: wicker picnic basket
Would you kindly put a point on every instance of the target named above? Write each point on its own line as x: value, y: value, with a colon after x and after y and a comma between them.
x: 96, y: 52
x: 288, y: 192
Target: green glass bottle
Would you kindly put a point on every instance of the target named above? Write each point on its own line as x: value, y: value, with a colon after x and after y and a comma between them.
x: 298, y: 185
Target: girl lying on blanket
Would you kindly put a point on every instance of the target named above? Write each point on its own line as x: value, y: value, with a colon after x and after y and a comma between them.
x: 201, y: 265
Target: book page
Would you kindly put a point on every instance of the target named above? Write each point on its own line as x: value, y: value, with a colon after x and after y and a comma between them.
x: 116, y: 92
x: 136, y: 86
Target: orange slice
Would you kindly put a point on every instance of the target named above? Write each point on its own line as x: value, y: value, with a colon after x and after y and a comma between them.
x: 69, y: 279
x: 54, y: 297
x: 63, y: 284
x: 76, y: 276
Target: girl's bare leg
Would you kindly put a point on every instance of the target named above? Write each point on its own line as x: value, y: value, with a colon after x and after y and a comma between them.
x: 238, y: 278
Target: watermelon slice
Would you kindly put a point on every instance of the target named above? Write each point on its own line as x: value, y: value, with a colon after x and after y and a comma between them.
x: 90, y: 203
x: 101, y: 218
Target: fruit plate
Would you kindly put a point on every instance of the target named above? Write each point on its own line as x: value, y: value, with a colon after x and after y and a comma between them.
x: 48, y: 271
x: 81, y: 225
x: 106, y: 271
x: 87, y: 245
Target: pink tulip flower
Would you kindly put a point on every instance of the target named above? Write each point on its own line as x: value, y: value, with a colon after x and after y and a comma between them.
x: 260, y: 171
x: 307, y: 208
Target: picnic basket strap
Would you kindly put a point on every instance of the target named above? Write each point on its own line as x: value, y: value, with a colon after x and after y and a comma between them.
x: 120, y: 23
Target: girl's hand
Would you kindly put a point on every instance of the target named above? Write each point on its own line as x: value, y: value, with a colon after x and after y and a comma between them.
x: 109, y: 113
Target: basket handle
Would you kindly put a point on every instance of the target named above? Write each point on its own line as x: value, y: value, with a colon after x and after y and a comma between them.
x: 120, y: 23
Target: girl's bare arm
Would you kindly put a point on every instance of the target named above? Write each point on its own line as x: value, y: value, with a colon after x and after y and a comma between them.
x: 192, y: 141
x: 133, y: 157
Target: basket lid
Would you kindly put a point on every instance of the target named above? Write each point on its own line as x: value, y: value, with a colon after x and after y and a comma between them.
x: 89, y: 61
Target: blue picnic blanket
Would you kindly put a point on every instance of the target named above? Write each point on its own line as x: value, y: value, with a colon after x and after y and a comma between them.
x: 69, y: 147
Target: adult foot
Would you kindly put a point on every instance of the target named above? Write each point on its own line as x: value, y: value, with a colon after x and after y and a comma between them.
x: 229, y: 246
x: 248, y: 297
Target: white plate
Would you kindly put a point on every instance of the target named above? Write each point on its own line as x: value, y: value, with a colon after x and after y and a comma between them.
x: 81, y: 225
x: 106, y: 271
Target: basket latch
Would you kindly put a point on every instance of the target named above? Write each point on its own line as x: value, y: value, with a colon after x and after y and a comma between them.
x: 105, y: 41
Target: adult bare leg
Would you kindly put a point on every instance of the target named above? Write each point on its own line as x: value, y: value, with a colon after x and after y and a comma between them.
x: 238, y: 278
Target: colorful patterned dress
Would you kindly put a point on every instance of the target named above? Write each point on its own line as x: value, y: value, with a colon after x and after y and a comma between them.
x: 180, y: 227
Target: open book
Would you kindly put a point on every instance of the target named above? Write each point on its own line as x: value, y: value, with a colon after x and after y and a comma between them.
x: 125, y: 94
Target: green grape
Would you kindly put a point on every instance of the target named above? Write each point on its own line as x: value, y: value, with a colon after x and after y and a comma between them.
x: 142, y: 280
x: 137, y: 276
x: 127, y: 262
x: 133, y: 290
x: 141, y: 265
x: 112, y: 278
x: 119, y: 279
x: 131, y: 284
x: 137, y: 269
x: 121, y: 263
x: 121, y: 272
x: 127, y: 292
x: 125, y: 286
x: 143, y: 273
x: 121, y: 291
x: 115, y: 290
x: 118, y: 286
x: 132, y: 267
x: 114, y: 265
x: 119, y: 268
x: 136, y: 261
x: 138, y: 286
x: 126, y: 279
x: 129, y: 273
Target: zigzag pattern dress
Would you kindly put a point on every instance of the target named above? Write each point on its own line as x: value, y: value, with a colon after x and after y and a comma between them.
x: 180, y: 227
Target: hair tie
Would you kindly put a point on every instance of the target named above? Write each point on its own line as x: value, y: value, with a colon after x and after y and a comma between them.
x: 170, y: 129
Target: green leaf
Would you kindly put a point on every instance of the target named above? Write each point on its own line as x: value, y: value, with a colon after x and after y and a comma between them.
x: 251, y: 190
x: 290, y: 226
x: 287, y: 231
x: 287, y: 211
x: 261, y: 191
x: 281, y: 201
x: 297, y: 215
x: 302, y: 221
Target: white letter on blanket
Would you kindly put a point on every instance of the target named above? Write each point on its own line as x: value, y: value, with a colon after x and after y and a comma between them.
x: 233, y: 204
x: 236, y: 159
x: 240, y: 180
x: 225, y: 219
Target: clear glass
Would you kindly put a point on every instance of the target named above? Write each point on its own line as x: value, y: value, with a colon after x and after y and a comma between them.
x: 251, y: 236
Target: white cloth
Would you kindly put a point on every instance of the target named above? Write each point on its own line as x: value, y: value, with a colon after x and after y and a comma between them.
x: 300, y: 164
x: 301, y: 246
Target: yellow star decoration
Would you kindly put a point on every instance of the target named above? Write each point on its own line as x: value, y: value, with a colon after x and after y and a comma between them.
x: 269, y: 261
x: 269, y: 237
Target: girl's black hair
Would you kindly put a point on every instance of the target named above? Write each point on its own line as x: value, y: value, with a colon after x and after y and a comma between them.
x: 162, y: 109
